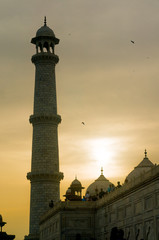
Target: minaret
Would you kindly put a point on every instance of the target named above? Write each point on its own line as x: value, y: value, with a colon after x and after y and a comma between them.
x: 44, y: 176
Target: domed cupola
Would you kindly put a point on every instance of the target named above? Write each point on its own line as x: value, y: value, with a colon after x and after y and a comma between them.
x: 76, y: 187
x: 45, y: 31
x: 144, y: 166
x: 74, y: 192
x: 100, y: 184
x: 76, y: 184
x: 45, y: 39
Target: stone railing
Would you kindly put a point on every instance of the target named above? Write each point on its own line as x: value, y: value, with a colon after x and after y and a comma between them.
x: 67, y: 205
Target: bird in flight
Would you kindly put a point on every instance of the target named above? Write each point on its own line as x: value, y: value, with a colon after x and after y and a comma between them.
x: 83, y: 123
x: 132, y: 41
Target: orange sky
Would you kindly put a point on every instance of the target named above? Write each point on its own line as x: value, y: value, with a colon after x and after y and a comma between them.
x: 102, y: 79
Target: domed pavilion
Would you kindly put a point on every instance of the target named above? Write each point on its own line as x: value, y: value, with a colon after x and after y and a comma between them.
x: 74, y: 192
x: 144, y: 166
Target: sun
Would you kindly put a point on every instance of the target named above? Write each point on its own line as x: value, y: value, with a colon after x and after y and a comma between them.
x: 103, y: 150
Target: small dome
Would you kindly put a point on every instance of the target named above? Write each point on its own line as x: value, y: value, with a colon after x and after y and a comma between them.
x: 144, y: 166
x: 98, y: 184
x: 45, y: 31
x: 76, y: 183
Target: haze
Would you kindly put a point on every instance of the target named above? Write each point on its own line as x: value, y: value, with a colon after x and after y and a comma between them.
x: 103, y: 80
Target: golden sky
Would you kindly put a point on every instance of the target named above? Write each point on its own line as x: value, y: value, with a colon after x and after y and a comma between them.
x: 102, y: 79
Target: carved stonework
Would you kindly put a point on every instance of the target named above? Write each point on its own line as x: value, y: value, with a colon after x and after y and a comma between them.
x: 45, y: 176
x: 149, y: 230
x: 38, y: 119
x: 112, y: 217
x: 120, y: 213
x: 128, y: 211
x: 138, y: 231
x: 148, y: 203
x: 138, y: 207
x: 80, y: 223
x: 157, y: 199
x: 44, y: 57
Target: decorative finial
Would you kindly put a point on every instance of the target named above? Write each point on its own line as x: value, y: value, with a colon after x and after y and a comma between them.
x: 101, y: 170
x: 75, y: 176
x: 45, y: 21
x: 145, y: 153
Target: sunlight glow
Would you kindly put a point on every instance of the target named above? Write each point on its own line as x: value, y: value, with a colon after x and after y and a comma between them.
x: 103, y: 150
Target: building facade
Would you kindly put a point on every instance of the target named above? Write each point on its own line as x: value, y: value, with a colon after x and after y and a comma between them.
x: 134, y: 207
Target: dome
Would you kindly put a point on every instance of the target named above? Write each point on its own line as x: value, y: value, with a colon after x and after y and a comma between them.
x: 144, y: 166
x: 74, y: 192
x: 98, y: 184
x: 76, y: 183
x: 45, y: 31
x: 76, y: 186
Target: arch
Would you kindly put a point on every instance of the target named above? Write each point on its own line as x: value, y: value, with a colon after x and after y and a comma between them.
x: 52, y: 47
x: 46, y: 47
x: 39, y: 47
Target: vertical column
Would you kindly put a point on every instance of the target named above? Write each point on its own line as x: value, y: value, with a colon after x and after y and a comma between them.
x: 44, y: 176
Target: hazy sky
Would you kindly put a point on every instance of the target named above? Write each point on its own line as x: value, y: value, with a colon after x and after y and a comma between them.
x: 102, y: 79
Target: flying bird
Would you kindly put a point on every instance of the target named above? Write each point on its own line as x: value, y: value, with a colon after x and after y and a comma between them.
x: 132, y: 41
x: 83, y: 123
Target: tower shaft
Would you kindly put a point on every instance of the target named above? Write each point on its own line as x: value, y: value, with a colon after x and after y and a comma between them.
x: 44, y: 176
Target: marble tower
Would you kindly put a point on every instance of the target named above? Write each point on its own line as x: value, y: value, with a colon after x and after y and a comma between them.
x: 44, y: 176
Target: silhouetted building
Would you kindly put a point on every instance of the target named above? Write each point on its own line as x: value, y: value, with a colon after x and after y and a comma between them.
x: 4, y: 235
x: 44, y: 176
x: 74, y: 192
x: 132, y: 208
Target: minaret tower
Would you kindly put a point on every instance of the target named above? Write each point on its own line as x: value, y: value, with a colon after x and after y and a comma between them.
x: 44, y: 176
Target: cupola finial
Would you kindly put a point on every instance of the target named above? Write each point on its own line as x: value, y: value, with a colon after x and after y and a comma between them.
x: 101, y: 170
x: 145, y: 153
x: 45, y: 21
